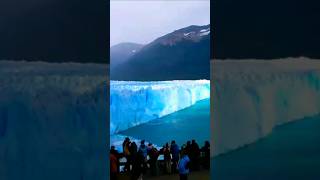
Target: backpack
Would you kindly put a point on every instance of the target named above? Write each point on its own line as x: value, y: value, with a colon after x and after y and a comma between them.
x: 154, y: 153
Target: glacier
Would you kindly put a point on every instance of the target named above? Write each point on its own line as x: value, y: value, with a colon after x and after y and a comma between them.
x: 133, y: 103
x: 252, y: 97
x: 53, y: 121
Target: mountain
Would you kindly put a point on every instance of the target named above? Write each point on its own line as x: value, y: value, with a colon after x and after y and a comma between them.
x: 121, y: 52
x: 182, y: 54
x: 266, y: 29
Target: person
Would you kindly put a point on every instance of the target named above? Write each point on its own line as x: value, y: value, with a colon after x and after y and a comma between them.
x: 149, y: 147
x: 114, y: 163
x: 194, y: 155
x: 114, y: 151
x: 133, y: 151
x: 126, y: 140
x: 188, y: 148
x: 133, y: 148
x: 167, y: 158
x: 153, y: 154
x: 183, y: 166
x: 206, y: 151
x: 139, y: 166
x: 162, y: 149
x: 127, y: 154
x: 143, y: 149
x: 175, y: 155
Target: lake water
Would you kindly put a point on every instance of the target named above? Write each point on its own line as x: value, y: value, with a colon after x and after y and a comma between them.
x: 187, y: 124
x: 291, y: 152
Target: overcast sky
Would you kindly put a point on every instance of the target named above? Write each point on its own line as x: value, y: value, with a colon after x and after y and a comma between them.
x: 144, y: 21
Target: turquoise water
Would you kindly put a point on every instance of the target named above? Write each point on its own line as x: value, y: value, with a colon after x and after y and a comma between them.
x: 291, y: 152
x: 187, y: 124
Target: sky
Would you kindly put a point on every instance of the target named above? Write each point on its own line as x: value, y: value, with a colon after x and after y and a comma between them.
x: 144, y: 21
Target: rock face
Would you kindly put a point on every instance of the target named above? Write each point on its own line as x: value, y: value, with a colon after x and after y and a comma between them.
x: 251, y: 97
x: 133, y: 103
x: 53, y: 121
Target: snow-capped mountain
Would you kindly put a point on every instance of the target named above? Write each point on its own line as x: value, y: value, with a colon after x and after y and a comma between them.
x: 182, y: 54
x: 190, y: 33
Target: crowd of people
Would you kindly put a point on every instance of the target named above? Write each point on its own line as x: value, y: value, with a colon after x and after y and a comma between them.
x: 144, y: 159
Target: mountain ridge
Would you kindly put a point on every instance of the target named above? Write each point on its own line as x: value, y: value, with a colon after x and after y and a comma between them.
x: 176, y: 55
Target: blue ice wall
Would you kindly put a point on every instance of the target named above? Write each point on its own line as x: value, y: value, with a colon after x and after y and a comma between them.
x: 53, y: 121
x: 133, y: 103
x: 251, y: 97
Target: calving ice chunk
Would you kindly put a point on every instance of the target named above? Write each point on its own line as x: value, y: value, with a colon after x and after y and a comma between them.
x: 133, y: 103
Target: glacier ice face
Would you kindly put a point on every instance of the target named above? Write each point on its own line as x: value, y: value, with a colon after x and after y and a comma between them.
x: 53, y: 121
x: 251, y: 97
x: 133, y: 103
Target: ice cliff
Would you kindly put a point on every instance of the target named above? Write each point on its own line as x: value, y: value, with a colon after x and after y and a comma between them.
x: 251, y: 97
x: 53, y: 121
x: 133, y: 103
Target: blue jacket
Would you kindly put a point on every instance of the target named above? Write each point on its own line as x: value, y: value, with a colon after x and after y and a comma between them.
x: 182, y: 166
x: 144, y: 150
x: 175, y: 151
